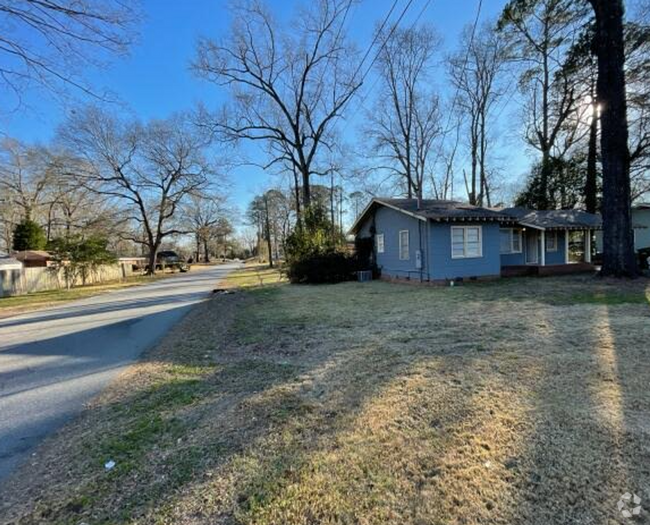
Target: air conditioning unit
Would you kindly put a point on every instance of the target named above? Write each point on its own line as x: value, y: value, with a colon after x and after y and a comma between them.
x: 364, y: 276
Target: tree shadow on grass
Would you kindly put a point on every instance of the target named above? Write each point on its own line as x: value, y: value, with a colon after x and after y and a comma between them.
x: 319, y: 414
x: 219, y: 409
x: 586, y: 444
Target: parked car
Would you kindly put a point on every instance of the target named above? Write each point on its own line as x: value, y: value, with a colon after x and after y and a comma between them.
x: 170, y: 259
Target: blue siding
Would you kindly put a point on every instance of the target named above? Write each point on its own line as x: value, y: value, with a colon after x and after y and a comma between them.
x: 390, y: 223
x: 434, y: 241
x: 558, y: 256
x: 513, y: 259
x: 444, y: 267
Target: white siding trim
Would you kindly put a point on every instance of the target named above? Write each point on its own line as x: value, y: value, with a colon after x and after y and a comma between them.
x: 380, y: 243
x: 401, y: 246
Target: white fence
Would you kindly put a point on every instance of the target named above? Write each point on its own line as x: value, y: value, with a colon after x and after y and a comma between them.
x: 29, y: 280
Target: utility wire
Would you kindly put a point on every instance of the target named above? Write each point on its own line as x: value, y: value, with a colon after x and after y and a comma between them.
x: 374, y: 41
x: 378, y: 33
x: 447, y: 128
x: 374, y: 84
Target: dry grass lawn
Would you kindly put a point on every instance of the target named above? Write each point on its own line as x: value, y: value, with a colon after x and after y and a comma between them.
x: 524, y: 401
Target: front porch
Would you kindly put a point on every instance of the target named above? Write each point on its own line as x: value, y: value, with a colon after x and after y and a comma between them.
x: 551, y: 269
x: 548, y: 251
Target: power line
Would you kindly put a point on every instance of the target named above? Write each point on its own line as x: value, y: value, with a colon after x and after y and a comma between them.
x: 466, y: 61
x: 378, y: 33
x: 374, y: 84
x: 374, y: 40
x: 390, y: 34
x: 447, y: 128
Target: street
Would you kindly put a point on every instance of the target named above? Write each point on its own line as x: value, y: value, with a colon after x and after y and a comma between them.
x: 55, y: 360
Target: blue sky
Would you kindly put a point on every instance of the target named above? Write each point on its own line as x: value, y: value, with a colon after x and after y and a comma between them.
x: 155, y: 80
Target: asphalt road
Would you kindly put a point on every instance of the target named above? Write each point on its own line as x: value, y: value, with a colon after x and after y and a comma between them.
x: 55, y: 360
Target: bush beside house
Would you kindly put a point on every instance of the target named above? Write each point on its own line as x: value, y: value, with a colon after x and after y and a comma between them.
x: 316, y: 252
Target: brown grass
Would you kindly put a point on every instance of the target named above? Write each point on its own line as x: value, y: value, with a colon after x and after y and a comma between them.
x: 522, y: 401
x: 254, y: 275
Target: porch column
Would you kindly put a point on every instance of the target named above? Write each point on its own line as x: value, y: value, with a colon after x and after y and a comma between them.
x: 542, y: 259
x: 587, y: 246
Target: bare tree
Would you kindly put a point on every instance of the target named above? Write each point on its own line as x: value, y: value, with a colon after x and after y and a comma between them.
x: 540, y: 32
x: 149, y: 170
x: 406, y: 122
x: 24, y: 176
x: 289, y: 83
x: 474, y: 71
x: 201, y: 213
x: 51, y: 42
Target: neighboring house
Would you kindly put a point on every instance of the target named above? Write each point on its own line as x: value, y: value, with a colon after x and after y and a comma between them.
x: 641, y: 224
x: 641, y: 221
x: 34, y: 258
x: 443, y: 240
x: 10, y: 273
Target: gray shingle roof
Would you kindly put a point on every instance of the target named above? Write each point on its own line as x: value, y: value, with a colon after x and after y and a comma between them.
x: 454, y: 211
x: 446, y: 210
x: 550, y: 219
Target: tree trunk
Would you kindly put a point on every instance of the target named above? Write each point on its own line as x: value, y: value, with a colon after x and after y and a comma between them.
x: 268, y: 230
x: 306, y: 189
x: 542, y: 200
x: 206, y: 252
x: 153, y: 251
x: 618, y: 242
x: 297, y: 196
x: 591, y: 182
x: 332, y: 213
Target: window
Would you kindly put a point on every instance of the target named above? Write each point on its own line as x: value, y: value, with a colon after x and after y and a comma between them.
x: 466, y: 242
x: 379, y: 242
x: 551, y: 241
x: 404, y: 245
x: 510, y: 240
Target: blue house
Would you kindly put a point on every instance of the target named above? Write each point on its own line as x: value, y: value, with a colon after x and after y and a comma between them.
x: 436, y: 240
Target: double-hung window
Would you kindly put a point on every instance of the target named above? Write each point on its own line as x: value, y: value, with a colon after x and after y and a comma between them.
x: 510, y: 240
x: 466, y: 242
x: 379, y: 242
x: 551, y: 241
x: 404, y: 245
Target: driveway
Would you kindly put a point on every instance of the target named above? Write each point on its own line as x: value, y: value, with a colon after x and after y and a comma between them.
x: 53, y: 361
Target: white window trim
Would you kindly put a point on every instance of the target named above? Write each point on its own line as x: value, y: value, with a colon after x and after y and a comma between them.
x: 381, y: 246
x: 512, y: 232
x: 408, y: 245
x: 480, y: 242
x: 551, y: 236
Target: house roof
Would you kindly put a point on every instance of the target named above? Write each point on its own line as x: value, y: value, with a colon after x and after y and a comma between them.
x: 642, y: 206
x: 555, y: 219
x: 454, y: 211
x: 7, y: 262
x: 32, y: 255
x: 435, y: 210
